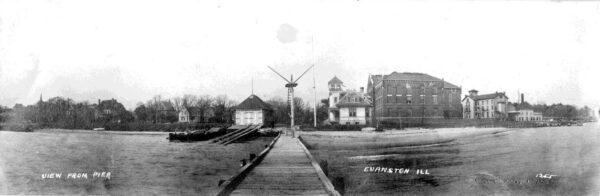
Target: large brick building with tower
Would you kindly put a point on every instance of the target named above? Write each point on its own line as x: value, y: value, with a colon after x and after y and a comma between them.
x: 413, y: 98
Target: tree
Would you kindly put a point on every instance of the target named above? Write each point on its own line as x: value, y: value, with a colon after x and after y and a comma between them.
x: 281, y: 110
x: 204, y: 103
x: 141, y: 113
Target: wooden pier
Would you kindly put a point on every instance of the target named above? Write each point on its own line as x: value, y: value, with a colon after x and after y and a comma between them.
x: 288, y: 169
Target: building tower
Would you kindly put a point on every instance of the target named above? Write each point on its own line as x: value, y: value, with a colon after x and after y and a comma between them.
x: 335, y: 91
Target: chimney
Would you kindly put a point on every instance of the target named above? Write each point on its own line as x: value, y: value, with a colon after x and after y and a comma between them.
x: 522, y: 98
x: 473, y: 93
x: 362, y: 89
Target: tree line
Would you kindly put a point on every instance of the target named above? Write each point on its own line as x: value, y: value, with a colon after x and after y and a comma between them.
x: 60, y: 112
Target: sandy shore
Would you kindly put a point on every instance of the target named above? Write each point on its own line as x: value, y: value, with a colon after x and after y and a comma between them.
x: 390, y: 138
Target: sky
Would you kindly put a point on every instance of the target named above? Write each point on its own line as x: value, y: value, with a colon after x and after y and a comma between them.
x: 134, y: 50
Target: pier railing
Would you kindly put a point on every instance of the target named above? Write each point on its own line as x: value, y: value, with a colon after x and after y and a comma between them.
x: 229, y: 185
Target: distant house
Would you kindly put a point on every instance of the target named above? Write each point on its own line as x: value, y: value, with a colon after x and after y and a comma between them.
x: 335, y: 93
x: 493, y: 105
x: 527, y: 115
x: 252, y: 111
x: 189, y: 114
x: 523, y: 114
x: 355, y: 108
x: 348, y: 107
x: 184, y: 115
x: 110, y: 110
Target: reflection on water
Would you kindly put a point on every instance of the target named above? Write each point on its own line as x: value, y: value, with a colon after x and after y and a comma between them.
x: 140, y: 163
x: 502, y: 163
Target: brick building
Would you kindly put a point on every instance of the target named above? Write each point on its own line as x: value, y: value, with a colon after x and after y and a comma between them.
x: 413, y: 97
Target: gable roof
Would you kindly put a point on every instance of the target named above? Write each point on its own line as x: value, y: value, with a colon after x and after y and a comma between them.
x: 346, y: 100
x: 375, y: 78
x: 253, y: 102
x: 416, y: 77
x: 335, y: 79
x: 488, y: 96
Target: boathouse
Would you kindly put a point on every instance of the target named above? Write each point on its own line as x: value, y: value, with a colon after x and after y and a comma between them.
x: 253, y: 111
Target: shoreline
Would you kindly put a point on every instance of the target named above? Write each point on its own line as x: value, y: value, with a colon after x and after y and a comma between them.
x: 105, y: 131
x: 391, y: 138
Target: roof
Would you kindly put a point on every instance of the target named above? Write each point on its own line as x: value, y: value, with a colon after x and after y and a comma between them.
x: 362, y: 100
x: 416, y: 77
x: 335, y: 79
x: 193, y: 111
x: 511, y: 108
x: 488, y: 96
x: 376, y: 78
x: 253, y: 102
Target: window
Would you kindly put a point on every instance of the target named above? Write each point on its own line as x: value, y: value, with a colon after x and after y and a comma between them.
x: 390, y: 98
x: 409, y: 113
x: 367, y: 112
x: 435, y: 90
x: 356, y: 123
x: 398, y: 98
x: 422, y: 98
x: 335, y: 100
x: 408, y: 99
x: 352, y: 112
x: 435, y: 100
x: 449, y: 98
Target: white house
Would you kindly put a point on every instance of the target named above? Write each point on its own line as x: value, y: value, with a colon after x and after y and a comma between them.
x: 253, y: 111
x: 335, y: 93
x: 493, y: 105
x: 355, y: 108
x: 184, y: 115
x: 527, y: 115
x: 348, y: 107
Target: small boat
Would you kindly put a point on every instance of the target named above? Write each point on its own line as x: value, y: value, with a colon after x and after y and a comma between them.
x: 98, y: 129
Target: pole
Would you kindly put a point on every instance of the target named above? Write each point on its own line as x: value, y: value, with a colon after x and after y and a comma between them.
x: 312, y: 43
x: 292, y: 108
x: 315, y: 92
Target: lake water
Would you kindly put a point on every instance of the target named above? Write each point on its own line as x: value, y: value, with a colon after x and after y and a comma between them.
x: 532, y: 161
x: 139, y: 163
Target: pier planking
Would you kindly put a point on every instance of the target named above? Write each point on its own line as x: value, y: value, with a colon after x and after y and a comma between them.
x: 286, y: 170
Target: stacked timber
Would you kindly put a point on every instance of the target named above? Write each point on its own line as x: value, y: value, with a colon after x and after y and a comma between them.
x: 198, y: 135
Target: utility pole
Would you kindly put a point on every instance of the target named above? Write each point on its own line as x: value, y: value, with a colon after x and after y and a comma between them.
x: 314, y: 81
x: 315, y: 92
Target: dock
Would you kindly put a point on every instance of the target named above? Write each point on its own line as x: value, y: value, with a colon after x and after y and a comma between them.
x: 287, y: 169
x: 239, y: 132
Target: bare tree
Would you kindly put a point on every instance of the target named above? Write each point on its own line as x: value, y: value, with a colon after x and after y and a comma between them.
x: 189, y: 100
x: 204, y: 103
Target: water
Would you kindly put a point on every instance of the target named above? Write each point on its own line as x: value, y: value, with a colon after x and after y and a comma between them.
x: 139, y: 163
x: 507, y: 163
